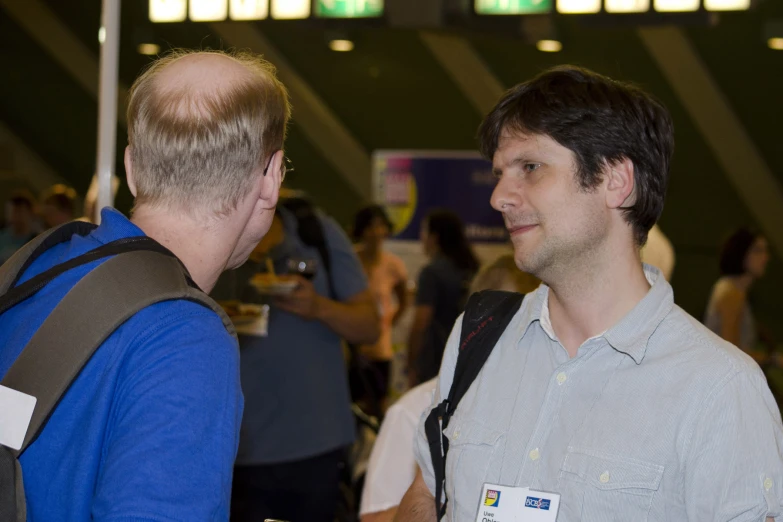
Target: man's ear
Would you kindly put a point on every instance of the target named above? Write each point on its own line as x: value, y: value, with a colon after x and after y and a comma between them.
x: 271, y: 182
x: 620, y: 184
x: 129, y: 171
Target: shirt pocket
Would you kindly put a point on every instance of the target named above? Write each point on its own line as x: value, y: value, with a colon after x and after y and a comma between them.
x: 472, y: 448
x: 597, y: 487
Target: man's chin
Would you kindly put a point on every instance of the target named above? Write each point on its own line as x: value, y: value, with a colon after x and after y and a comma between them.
x: 527, y: 263
x: 237, y: 260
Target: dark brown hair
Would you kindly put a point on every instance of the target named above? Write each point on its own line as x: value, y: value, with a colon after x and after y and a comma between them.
x: 735, y: 250
x: 449, y: 230
x: 602, y: 121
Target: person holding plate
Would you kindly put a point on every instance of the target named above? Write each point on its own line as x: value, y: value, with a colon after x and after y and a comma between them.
x: 298, y: 419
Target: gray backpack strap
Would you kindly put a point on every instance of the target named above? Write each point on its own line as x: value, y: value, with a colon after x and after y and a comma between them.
x: 89, y: 313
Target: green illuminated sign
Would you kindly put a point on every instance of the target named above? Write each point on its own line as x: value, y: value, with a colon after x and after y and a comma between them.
x: 349, y: 8
x: 512, y: 7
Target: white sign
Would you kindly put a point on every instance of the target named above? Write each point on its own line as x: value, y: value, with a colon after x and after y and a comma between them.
x: 16, y: 410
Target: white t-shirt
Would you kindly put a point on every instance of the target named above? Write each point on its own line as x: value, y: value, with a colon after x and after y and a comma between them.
x: 392, y: 465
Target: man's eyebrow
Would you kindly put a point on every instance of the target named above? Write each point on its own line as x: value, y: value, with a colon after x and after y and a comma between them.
x: 522, y: 158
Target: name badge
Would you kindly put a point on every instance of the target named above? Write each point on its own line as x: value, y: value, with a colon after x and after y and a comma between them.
x: 512, y: 504
x: 16, y: 410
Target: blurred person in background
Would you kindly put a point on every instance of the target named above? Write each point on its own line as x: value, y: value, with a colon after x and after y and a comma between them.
x: 19, y: 223
x: 743, y: 260
x: 90, y: 206
x: 298, y: 420
x: 392, y: 466
x: 388, y: 279
x: 443, y: 289
x: 58, y: 206
x: 149, y: 428
x: 659, y: 252
x: 503, y: 274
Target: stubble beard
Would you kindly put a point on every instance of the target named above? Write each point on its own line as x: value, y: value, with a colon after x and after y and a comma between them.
x: 559, y: 258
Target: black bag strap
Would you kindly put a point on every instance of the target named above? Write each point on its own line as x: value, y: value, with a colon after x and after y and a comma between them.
x: 19, y: 293
x: 16, y: 265
x: 487, y: 315
x: 89, y: 313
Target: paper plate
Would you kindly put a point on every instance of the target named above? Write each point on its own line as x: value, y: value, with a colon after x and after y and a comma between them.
x: 275, y: 287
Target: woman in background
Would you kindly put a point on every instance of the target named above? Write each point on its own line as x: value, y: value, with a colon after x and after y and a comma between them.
x: 444, y: 286
x: 388, y: 283
x: 392, y: 465
x: 743, y: 260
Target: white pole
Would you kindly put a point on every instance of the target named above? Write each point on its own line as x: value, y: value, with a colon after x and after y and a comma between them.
x: 107, y: 103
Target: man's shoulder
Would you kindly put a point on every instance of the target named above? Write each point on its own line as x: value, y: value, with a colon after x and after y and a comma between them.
x: 682, y: 340
x: 169, y: 328
x: 183, y: 315
x: 439, y: 269
x: 334, y: 234
x: 174, y: 340
x: 393, y: 260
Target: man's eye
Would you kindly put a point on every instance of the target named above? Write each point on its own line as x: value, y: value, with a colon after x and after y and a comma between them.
x: 530, y: 167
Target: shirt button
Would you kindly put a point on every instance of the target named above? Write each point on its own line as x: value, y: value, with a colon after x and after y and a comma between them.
x: 561, y: 378
x: 604, y: 478
x: 456, y: 434
x: 534, y: 455
x: 768, y: 483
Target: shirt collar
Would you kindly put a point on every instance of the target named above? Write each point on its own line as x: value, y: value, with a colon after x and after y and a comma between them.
x: 535, y: 308
x: 114, y: 226
x: 632, y: 333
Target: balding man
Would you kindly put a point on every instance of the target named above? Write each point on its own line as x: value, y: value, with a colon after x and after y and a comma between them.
x: 149, y: 429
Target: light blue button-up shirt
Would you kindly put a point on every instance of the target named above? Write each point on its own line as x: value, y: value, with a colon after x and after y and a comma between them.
x: 657, y: 419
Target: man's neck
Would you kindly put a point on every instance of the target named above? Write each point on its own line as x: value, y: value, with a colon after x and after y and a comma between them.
x: 370, y: 252
x: 200, y: 247
x: 586, y: 302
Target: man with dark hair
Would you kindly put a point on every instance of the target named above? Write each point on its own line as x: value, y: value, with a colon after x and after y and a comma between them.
x: 20, y: 223
x: 602, y: 400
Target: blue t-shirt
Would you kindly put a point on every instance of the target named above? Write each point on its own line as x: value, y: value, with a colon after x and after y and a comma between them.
x: 298, y: 403
x: 149, y: 429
